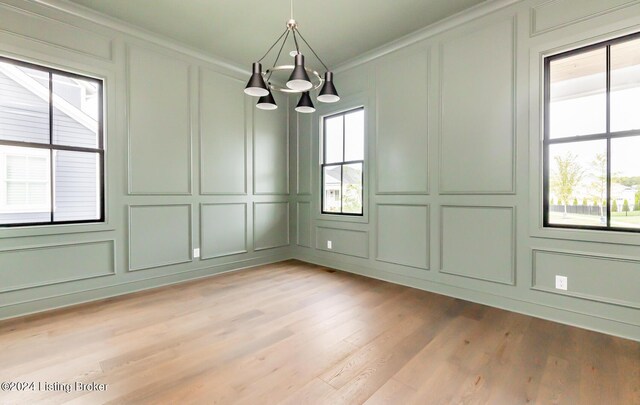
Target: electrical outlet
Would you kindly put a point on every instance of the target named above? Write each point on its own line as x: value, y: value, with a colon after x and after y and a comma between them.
x: 329, y: 245
x: 561, y: 282
x: 196, y: 253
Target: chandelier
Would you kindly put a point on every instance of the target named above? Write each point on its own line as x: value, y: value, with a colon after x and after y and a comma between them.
x: 302, y: 79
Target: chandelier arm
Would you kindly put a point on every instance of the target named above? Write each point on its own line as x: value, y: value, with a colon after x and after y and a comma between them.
x: 295, y: 39
x: 278, y: 57
x: 274, y: 44
x: 309, y: 46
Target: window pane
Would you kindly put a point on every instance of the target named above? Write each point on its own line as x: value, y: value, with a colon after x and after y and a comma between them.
x: 625, y: 182
x: 24, y: 104
x: 77, y: 186
x: 578, y: 183
x: 75, y: 112
x: 354, y: 136
x: 352, y: 188
x: 331, y: 189
x: 578, y: 103
x: 625, y: 86
x: 25, y: 190
x: 333, y: 141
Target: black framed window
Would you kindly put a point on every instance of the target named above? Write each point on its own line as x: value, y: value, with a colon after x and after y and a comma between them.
x: 592, y: 137
x: 342, y: 169
x: 51, y: 146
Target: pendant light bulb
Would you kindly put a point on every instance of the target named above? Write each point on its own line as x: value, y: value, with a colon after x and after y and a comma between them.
x: 328, y: 94
x: 299, y: 79
x: 256, y: 86
x: 267, y: 102
x: 305, y: 105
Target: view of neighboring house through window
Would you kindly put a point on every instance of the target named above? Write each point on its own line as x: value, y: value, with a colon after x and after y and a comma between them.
x: 592, y: 137
x: 51, y: 146
x: 343, y: 163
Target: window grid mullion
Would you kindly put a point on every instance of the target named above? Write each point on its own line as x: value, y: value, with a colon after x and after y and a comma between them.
x: 51, y: 165
x: 608, y: 124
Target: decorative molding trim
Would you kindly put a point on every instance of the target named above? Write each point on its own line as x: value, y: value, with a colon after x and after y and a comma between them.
x: 253, y: 154
x: 514, y: 118
x: 298, y: 222
x: 533, y: 16
x: 426, y: 51
x: 246, y: 233
x: 95, y: 17
x: 130, y: 208
x: 590, y: 297
x: 108, y: 41
x: 298, y: 125
x: 514, y: 242
x: 130, y: 191
x: 428, y: 229
x: 257, y: 249
x: 318, y: 247
x: 4, y: 289
x: 465, y: 16
x: 201, y: 69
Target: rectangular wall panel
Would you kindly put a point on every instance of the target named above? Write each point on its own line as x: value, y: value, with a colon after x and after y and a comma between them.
x: 270, y: 225
x: 615, y: 280
x: 553, y: 14
x: 29, y: 25
x: 304, y: 160
x: 304, y: 224
x: 402, y: 129
x: 270, y: 149
x: 478, y: 111
x: 478, y: 242
x: 343, y: 241
x: 159, y: 235
x: 222, y: 134
x: 159, y: 124
x: 403, y: 235
x: 224, y: 229
x: 44, y: 265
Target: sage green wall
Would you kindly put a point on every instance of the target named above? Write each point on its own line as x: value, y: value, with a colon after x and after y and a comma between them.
x: 182, y: 169
x: 453, y: 169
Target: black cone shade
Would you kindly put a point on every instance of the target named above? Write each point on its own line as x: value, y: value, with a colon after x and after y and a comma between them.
x: 305, y: 105
x: 255, y: 86
x: 328, y: 94
x: 299, y: 79
x: 267, y: 102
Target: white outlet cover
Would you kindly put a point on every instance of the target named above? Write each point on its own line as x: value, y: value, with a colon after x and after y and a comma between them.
x: 561, y: 283
x: 196, y: 253
x: 329, y: 245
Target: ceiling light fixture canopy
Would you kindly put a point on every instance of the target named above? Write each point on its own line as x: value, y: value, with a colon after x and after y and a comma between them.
x: 302, y: 79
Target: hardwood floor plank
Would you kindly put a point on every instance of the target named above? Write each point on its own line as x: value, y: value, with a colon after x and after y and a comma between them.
x: 296, y: 333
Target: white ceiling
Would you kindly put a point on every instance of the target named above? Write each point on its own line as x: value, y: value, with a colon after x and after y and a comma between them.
x: 241, y: 31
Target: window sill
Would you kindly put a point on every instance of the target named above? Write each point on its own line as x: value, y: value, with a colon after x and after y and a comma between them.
x: 44, y: 230
x: 362, y: 219
x: 587, y: 235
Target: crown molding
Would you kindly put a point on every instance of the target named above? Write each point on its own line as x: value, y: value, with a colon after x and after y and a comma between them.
x: 87, y: 14
x: 438, y: 27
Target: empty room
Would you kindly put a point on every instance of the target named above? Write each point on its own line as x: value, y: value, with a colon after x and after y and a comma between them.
x: 320, y: 202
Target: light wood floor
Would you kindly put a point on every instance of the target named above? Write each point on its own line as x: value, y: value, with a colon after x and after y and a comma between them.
x: 295, y: 333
